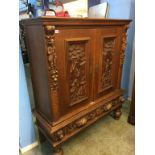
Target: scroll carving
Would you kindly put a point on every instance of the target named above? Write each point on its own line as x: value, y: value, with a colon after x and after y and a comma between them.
x: 108, y: 48
x: 51, y: 55
x: 77, y: 72
x: 83, y: 121
x: 124, y: 43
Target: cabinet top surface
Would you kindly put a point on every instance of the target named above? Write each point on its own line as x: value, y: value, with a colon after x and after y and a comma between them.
x: 75, y: 21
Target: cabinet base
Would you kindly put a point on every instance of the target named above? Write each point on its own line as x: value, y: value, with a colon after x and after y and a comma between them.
x: 59, y: 133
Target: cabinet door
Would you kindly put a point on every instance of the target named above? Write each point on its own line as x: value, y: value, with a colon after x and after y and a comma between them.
x: 106, y: 60
x: 74, y: 49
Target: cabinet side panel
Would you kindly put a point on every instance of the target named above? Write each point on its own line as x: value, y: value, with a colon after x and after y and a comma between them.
x: 38, y: 65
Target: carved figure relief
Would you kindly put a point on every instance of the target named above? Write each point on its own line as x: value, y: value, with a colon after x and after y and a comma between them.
x: 108, y: 49
x: 77, y: 71
x: 51, y: 54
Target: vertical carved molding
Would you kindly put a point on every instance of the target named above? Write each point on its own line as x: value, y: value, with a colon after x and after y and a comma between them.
x: 52, y: 68
x: 51, y: 55
x: 124, y: 43
x: 122, y: 53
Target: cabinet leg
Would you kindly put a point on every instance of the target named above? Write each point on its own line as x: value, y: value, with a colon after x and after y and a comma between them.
x: 41, y: 137
x: 57, y: 151
x: 117, y: 113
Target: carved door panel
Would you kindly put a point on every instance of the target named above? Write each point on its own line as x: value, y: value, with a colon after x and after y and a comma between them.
x: 74, y: 48
x: 106, y: 60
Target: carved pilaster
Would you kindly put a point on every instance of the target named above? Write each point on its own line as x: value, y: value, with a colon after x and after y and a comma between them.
x: 121, y: 99
x: 51, y: 55
x: 22, y: 40
x: 52, y: 68
x: 124, y: 43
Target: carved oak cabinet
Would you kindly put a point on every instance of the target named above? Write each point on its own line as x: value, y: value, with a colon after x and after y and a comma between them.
x: 76, y: 68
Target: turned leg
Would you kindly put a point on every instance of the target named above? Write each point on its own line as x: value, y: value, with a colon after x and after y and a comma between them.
x: 41, y: 137
x: 117, y: 113
x: 57, y: 151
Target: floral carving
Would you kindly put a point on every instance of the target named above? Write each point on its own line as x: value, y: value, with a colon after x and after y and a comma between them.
x: 77, y: 69
x: 79, y: 123
x: 124, y: 43
x: 51, y: 55
x: 108, y: 48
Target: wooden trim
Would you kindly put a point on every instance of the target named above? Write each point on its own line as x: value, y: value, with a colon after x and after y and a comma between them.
x: 74, y: 21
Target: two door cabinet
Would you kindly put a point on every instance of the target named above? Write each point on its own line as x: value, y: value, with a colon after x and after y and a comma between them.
x: 76, y: 67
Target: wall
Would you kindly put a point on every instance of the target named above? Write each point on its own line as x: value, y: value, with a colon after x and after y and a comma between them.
x: 26, y: 126
x: 125, y: 9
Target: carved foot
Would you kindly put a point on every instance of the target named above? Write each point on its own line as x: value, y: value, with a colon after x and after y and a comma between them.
x: 117, y: 113
x: 57, y: 151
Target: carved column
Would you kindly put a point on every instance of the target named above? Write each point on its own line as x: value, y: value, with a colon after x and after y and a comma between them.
x: 122, y: 52
x: 22, y: 40
x: 124, y: 43
x: 52, y: 69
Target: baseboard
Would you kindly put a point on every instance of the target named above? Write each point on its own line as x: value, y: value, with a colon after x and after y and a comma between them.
x: 29, y: 147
